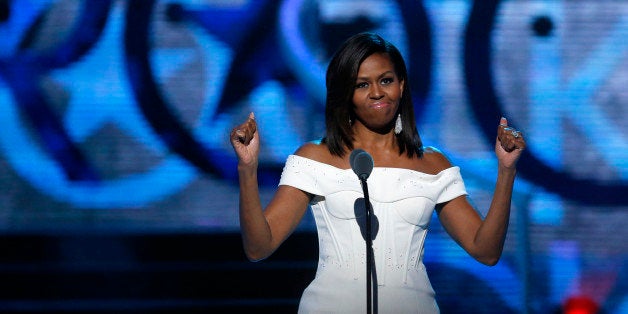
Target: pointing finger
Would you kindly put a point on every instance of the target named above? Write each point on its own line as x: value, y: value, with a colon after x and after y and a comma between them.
x: 245, y: 132
x: 503, y: 122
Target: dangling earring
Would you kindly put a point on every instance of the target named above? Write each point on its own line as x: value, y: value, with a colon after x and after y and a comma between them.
x: 398, y: 126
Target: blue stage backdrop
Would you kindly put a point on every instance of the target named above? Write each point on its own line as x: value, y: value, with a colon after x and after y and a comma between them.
x: 115, y: 116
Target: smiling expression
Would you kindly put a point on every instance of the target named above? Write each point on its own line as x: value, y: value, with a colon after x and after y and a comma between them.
x: 377, y: 93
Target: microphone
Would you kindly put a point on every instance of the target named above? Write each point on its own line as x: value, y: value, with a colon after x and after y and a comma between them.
x: 362, y: 163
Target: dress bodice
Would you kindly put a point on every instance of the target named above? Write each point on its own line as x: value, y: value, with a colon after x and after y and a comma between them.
x: 403, y: 201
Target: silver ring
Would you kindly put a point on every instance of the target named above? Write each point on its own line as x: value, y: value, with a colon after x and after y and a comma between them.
x: 515, y: 133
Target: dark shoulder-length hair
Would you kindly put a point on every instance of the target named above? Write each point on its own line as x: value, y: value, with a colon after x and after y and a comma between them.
x: 340, y: 82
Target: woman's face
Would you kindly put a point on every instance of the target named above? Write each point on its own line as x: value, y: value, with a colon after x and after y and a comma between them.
x: 377, y: 92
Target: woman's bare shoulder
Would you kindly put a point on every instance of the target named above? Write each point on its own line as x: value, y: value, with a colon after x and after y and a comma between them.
x: 311, y: 150
x: 435, y: 160
x: 318, y: 151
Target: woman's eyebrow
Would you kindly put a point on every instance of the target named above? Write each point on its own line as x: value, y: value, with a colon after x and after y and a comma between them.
x: 365, y: 78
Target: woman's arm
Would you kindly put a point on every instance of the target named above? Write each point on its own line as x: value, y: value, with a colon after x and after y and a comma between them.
x: 484, y: 239
x: 263, y: 230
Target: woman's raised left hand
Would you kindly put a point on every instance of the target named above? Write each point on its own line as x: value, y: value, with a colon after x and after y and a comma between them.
x: 509, y: 144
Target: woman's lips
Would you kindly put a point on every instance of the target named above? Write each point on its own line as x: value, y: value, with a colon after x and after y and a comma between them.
x: 379, y: 105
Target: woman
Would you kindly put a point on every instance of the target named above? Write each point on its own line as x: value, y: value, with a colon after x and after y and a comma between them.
x: 369, y: 107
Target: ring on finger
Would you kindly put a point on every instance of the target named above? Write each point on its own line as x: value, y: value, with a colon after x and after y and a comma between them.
x: 515, y: 133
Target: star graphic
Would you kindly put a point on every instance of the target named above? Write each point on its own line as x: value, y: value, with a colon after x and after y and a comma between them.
x: 101, y: 92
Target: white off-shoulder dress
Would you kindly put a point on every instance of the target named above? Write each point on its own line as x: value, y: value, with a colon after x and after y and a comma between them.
x: 403, y: 201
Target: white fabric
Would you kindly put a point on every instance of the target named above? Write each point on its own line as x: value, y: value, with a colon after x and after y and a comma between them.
x: 403, y: 201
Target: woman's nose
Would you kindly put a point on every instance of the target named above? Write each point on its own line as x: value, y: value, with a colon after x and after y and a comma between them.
x: 376, y: 92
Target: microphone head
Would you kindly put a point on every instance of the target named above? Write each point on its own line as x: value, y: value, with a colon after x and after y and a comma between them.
x: 361, y: 162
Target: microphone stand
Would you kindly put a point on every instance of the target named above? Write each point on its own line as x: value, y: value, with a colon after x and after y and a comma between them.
x: 362, y: 164
x: 369, y: 248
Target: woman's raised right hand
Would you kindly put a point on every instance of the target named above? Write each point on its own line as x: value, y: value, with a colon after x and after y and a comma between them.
x: 245, y: 141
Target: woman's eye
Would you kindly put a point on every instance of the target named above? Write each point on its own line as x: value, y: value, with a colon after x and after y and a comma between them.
x: 387, y: 80
x: 361, y: 85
